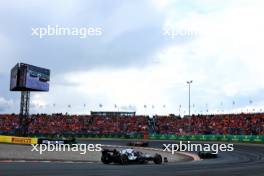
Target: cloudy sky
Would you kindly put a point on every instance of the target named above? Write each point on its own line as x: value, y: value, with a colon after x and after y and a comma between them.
x: 146, y: 52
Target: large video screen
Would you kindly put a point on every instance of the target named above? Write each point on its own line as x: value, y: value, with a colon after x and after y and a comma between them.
x: 25, y: 77
x: 37, y: 78
x: 14, y: 78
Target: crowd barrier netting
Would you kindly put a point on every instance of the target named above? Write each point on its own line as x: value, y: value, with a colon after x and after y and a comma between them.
x: 103, y: 136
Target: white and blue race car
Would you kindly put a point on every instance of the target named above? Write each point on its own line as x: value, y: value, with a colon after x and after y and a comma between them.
x: 128, y: 156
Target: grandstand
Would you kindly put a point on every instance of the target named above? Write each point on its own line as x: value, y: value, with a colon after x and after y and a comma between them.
x: 60, y: 124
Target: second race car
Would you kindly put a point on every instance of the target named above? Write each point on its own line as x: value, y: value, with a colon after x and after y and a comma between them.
x: 138, y: 144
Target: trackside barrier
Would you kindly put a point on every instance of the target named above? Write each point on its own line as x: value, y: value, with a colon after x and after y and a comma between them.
x: 228, y: 138
x: 18, y: 140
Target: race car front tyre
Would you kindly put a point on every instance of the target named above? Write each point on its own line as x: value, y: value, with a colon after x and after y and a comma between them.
x: 157, y: 159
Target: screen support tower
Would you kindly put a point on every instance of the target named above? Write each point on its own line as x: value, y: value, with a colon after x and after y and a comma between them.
x: 24, y: 113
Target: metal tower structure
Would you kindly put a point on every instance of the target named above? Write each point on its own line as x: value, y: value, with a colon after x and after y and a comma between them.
x: 25, y: 78
x: 24, y: 103
x: 24, y: 113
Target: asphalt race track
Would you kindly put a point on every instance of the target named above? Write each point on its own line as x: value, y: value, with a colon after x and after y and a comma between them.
x: 246, y: 160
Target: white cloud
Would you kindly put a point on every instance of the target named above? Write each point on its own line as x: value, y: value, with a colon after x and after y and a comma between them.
x: 225, y: 60
x: 5, y: 105
x: 229, y: 47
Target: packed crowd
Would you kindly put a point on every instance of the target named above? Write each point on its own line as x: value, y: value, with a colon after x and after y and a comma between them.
x: 245, y: 124
x: 8, y: 123
x: 73, y: 124
x: 119, y: 125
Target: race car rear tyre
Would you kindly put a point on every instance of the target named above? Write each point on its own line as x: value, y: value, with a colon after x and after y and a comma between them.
x: 157, y: 159
x: 106, y: 159
x: 123, y: 159
x: 142, y: 161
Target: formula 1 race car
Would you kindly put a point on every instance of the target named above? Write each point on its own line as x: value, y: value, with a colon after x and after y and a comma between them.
x: 206, y: 155
x: 128, y: 156
x: 138, y: 144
